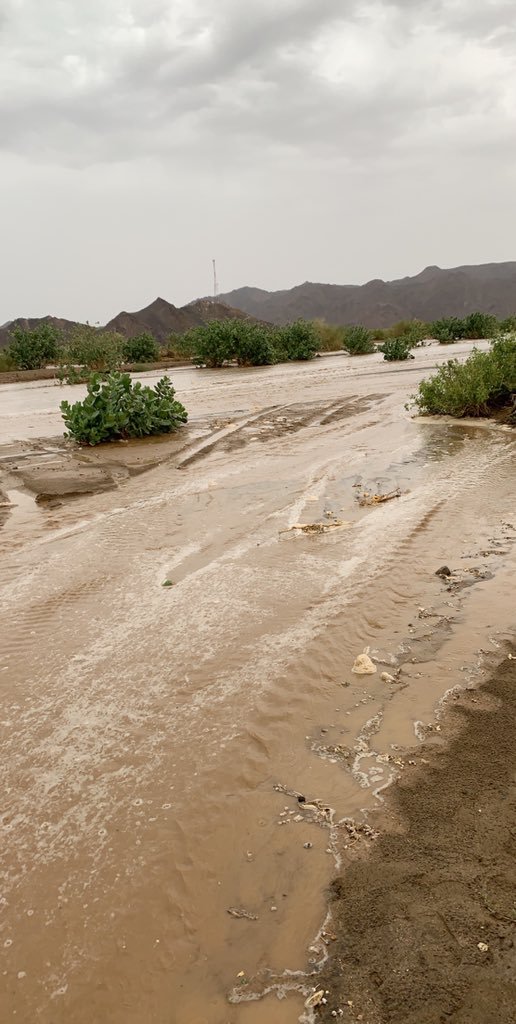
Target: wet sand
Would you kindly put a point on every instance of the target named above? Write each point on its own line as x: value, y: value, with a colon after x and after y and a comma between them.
x: 154, y: 738
x: 425, y: 919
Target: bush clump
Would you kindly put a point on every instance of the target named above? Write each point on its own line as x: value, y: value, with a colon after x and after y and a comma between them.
x: 486, y: 381
x: 358, y: 340
x: 115, y: 407
x: 397, y: 349
x: 31, y: 350
x: 6, y: 362
x: 296, y: 341
x: 95, y: 349
x: 141, y: 349
x: 330, y: 337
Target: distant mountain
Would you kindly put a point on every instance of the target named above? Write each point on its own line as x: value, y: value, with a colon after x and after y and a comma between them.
x: 161, y: 319
x: 29, y: 323
x: 490, y: 287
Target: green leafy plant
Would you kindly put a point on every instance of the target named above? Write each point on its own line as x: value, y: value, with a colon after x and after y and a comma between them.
x: 253, y: 345
x: 480, y: 325
x: 447, y: 330
x: 141, y: 349
x: 296, y: 341
x: 6, y: 362
x: 95, y: 349
x: 30, y: 350
x: 118, y: 408
x: 485, y: 382
x: 397, y: 349
x: 358, y: 340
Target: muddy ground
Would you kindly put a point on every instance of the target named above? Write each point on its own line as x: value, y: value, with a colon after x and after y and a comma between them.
x: 157, y: 864
x: 425, y: 919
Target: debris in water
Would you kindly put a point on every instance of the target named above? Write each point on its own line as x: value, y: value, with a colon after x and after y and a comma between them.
x: 315, y: 1000
x: 387, y: 678
x: 167, y: 583
x: 363, y: 666
x: 236, y: 912
x: 377, y: 499
x: 444, y: 571
x: 307, y: 846
x: 483, y: 947
x: 317, y: 527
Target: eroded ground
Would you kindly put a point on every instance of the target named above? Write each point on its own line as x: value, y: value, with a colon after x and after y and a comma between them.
x: 156, y: 740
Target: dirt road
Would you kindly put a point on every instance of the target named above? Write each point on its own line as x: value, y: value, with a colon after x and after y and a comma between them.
x: 154, y: 738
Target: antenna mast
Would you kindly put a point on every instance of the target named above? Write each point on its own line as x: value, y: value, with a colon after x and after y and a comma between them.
x: 215, y: 282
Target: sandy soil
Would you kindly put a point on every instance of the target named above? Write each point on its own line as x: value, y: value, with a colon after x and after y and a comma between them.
x: 425, y: 919
x: 154, y: 739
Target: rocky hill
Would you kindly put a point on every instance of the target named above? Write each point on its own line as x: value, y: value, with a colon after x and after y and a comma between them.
x: 490, y: 287
x: 161, y: 319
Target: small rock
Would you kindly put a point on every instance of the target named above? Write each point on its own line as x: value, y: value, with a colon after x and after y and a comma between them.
x: 307, y: 846
x: 443, y: 571
x: 483, y: 947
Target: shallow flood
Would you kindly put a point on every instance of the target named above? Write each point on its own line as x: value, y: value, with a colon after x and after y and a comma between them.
x: 154, y: 738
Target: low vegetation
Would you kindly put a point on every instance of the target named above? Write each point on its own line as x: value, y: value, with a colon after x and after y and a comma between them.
x: 116, y: 407
x: 483, y: 384
x: 31, y: 350
x: 397, y: 349
x: 358, y: 340
x: 141, y: 349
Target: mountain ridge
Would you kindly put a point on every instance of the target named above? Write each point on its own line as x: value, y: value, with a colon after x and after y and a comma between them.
x: 433, y: 293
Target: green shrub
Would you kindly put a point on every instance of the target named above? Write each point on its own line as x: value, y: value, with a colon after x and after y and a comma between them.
x: 6, y: 362
x: 97, y: 350
x: 480, y: 325
x: 507, y: 326
x: 116, y: 407
x: 213, y: 344
x: 142, y: 349
x: 330, y: 337
x: 416, y: 332
x: 30, y: 350
x: 396, y: 349
x: 296, y: 341
x: 380, y: 334
x: 484, y: 382
x: 358, y: 340
x: 448, y: 330
x: 253, y: 345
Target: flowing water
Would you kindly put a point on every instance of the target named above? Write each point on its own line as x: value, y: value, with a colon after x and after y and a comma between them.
x: 154, y: 737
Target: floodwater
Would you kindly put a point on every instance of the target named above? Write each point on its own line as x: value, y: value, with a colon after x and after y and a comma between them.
x: 154, y: 738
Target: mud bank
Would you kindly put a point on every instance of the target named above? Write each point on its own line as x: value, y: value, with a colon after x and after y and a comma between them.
x: 425, y: 919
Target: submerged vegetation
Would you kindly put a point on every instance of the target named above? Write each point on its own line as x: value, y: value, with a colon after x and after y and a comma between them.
x: 116, y: 407
x: 483, y: 384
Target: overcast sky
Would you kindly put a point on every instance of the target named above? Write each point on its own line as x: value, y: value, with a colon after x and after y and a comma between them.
x: 322, y: 140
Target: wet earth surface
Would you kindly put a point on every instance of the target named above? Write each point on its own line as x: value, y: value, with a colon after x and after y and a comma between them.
x: 186, y: 767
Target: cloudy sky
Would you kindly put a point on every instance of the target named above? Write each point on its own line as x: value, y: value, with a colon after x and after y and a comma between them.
x: 322, y: 140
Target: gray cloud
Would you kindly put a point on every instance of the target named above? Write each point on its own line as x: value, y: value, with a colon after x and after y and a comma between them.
x: 230, y: 108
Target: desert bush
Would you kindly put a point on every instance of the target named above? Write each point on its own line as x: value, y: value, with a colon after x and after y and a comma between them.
x: 480, y: 325
x: 253, y: 345
x: 213, y: 344
x: 330, y: 337
x: 416, y: 332
x: 397, y: 349
x: 484, y: 382
x: 380, y: 334
x: 30, y: 350
x: 296, y: 341
x: 97, y: 350
x: 116, y: 407
x: 358, y: 340
x: 6, y: 362
x: 507, y: 326
x: 447, y: 330
x: 141, y: 349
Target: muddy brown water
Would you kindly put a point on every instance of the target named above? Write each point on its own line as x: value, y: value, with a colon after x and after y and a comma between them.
x: 145, y: 728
